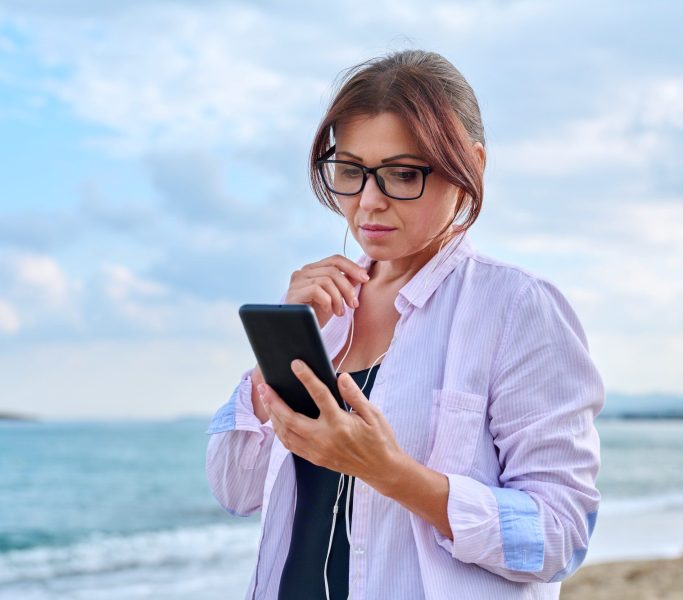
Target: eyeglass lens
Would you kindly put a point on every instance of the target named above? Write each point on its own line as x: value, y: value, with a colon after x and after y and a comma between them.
x: 400, y: 182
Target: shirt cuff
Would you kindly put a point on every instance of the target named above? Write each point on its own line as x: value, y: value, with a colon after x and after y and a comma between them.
x: 520, y: 529
x: 474, y: 520
x: 245, y: 418
x: 237, y: 414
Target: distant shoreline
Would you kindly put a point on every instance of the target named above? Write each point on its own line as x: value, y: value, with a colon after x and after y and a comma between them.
x: 648, y: 417
x: 5, y: 416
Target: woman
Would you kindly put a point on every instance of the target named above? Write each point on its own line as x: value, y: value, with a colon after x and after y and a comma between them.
x: 473, y: 440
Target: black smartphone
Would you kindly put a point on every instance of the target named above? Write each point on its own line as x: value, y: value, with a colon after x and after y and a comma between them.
x: 279, y: 333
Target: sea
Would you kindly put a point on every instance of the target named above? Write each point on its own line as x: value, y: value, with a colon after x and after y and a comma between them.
x: 122, y: 510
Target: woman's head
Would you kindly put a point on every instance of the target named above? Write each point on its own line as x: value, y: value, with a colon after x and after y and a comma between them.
x: 409, y: 102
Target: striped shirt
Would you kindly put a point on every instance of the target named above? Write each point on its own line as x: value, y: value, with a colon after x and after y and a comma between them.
x: 487, y: 379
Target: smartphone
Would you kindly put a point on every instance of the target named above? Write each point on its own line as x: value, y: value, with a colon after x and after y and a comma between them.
x: 279, y: 333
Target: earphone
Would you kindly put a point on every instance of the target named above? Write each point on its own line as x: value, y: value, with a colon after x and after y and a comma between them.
x: 340, y: 487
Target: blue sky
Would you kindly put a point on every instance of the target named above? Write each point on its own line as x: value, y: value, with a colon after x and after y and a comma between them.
x: 153, y: 168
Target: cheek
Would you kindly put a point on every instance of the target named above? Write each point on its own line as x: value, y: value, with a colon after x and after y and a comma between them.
x: 348, y: 208
x: 439, y: 207
x: 423, y: 217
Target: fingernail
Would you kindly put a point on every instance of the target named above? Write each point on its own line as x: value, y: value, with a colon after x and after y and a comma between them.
x: 366, y: 276
x: 355, y: 302
x: 261, y: 388
x: 297, y: 365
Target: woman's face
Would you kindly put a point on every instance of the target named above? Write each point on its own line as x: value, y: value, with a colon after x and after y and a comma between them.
x: 369, y: 140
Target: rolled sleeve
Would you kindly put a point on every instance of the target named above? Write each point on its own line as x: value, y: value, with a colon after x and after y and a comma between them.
x: 545, y: 394
x: 238, y: 414
x: 520, y: 529
x: 238, y: 411
x: 225, y: 417
x: 473, y: 517
x: 238, y: 452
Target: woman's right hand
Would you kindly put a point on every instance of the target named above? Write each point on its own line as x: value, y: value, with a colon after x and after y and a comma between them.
x: 326, y: 285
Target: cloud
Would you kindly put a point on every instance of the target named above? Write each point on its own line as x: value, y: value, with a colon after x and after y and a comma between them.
x: 201, y: 86
x: 40, y: 296
x: 39, y: 231
x: 466, y: 18
x: 129, y: 300
x: 43, y: 276
x: 634, y: 128
x: 191, y: 184
x: 91, y: 216
x: 121, y: 283
x: 642, y: 265
x: 94, y: 210
x: 224, y: 74
x: 623, y: 273
x: 123, y: 304
x: 10, y: 323
x: 655, y: 222
x: 639, y: 363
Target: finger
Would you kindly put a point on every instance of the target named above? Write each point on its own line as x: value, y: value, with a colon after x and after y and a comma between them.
x: 345, y: 265
x: 354, y: 397
x: 299, y: 445
x: 278, y: 409
x: 350, y: 268
x: 347, y: 286
x: 317, y: 389
x: 339, y: 280
x: 291, y: 440
x: 337, y: 285
x: 336, y: 299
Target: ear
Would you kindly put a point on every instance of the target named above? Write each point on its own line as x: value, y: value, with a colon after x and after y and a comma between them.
x: 481, y: 154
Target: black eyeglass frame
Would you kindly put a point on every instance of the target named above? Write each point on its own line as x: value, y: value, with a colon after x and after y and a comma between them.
x: 320, y: 162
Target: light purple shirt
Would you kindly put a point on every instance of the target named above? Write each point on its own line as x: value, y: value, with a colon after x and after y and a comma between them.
x: 488, y: 379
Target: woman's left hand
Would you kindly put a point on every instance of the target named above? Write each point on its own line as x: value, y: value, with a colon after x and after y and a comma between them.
x: 359, y: 443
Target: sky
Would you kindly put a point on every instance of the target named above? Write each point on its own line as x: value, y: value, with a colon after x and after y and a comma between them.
x: 153, y: 179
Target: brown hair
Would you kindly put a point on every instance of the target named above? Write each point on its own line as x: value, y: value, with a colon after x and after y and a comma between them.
x: 434, y: 101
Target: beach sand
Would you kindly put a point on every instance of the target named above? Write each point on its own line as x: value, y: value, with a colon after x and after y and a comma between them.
x: 660, y: 579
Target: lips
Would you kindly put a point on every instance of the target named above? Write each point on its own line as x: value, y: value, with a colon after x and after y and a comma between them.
x: 377, y: 227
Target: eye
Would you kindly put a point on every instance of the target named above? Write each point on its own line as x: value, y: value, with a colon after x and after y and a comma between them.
x: 403, y: 175
x: 351, y: 172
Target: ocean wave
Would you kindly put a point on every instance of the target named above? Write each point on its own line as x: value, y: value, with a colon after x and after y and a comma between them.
x: 100, y: 554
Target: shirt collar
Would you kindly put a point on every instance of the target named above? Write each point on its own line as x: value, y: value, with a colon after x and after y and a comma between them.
x: 416, y: 291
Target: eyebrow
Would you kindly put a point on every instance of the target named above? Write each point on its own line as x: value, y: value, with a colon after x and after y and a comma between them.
x: 384, y: 160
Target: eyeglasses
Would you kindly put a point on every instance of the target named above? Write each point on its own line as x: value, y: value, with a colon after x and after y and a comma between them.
x: 401, y: 182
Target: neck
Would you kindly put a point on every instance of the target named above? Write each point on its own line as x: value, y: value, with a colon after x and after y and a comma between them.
x: 400, y: 270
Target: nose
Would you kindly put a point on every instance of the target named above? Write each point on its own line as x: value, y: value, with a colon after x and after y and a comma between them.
x: 371, y: 196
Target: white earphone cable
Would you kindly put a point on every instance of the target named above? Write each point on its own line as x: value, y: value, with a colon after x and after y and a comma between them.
x: 340, y: 487
x: 335, y: 510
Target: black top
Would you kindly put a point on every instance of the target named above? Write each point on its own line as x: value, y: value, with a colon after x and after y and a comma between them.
x: 316, y: 490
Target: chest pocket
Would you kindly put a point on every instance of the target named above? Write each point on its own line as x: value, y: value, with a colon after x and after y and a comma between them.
x: 456, y: 424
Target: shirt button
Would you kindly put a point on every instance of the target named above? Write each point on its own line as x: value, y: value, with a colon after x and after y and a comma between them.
x: 359, y: 550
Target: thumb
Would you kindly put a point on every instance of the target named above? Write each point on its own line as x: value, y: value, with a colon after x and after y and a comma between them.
x: 353, y: 396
